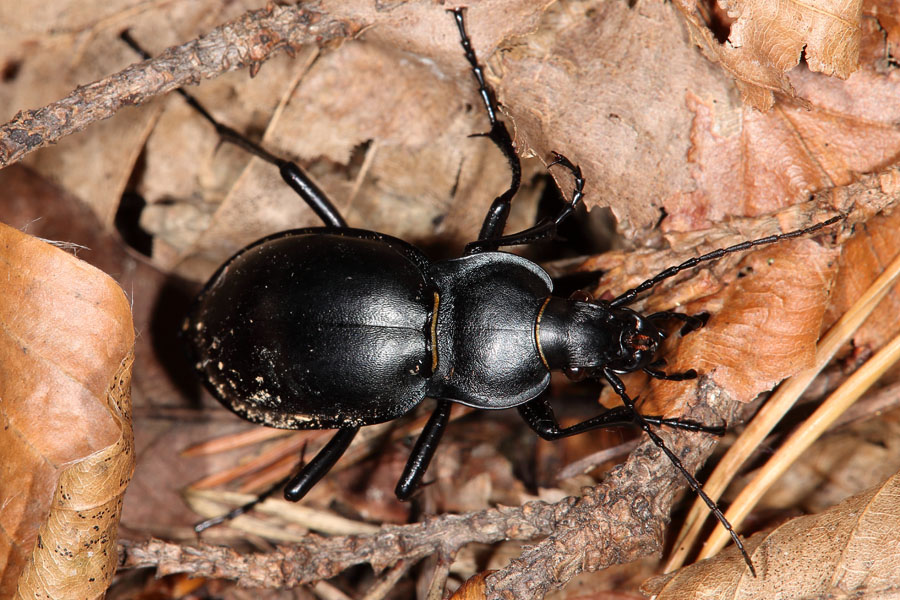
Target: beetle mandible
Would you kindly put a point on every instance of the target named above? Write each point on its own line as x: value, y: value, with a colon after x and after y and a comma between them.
x: 339, y: 328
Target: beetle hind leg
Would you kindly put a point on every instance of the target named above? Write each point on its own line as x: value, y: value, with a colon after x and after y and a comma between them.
x: 292, y: 174
x: 300, y: 484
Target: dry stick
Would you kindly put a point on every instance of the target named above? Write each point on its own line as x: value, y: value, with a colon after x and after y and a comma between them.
x: 617, y: 521
x: 439, y: 578
x: 384, y: 585
x: 776, y: 407
x: 317, y: 557
x: 248, y: 40
x: 855, y: 386
x: 210, y: 503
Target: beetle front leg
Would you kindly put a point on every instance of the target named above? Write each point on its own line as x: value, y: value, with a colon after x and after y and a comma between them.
x: 423, y: 451
x: 539, y: 416
x: 495, y: 220
x: 547, y: 229
x: 300, y: 484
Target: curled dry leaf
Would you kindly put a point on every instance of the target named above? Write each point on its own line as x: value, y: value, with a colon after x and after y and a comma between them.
x: 863, y: 259
x: 763, y: 328
x: 66, y: 439
x: 767, y: 39
x: 472, y: 588
x: 848, y: 550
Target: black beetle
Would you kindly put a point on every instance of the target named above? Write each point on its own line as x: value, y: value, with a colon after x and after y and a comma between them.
x: 338, y: 328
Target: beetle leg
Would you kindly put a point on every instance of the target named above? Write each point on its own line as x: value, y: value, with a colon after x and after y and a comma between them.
x: 691, y: 322
x: 539, y: 416
x: 314, y: 470
x: 657, y: 374
x: 495, y: 220
x: 290, y: 172
x: 243, y: 509
x: 642, y: 422
x: 544, y: 230
x: 422, y: 452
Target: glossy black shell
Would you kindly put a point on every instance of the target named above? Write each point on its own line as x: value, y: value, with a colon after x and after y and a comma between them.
x: 487, y: 352
x: 327, y: 328
x: 316, y: 329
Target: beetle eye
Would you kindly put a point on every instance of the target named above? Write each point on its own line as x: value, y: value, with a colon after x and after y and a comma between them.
x: 575, y: 373
x: 581, y: 296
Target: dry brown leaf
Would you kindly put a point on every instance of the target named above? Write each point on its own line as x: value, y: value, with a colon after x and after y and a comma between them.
x: 863, y: 259
x: 767, y: 38
x: 848, y: 550
x: 635, y: 64
x: 765, y: 326
x: 58, y: 48
x: 752, y: 163
x: 65, y: 360
x: 472, y: 588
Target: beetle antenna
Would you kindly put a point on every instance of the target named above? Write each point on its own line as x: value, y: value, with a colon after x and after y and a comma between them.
x: 244, y: 508
x: 631, y: 295
x: 641, y: 422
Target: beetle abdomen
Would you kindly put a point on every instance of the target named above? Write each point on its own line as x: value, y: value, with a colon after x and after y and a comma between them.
x: 317, y: 328
x: 487, y: 354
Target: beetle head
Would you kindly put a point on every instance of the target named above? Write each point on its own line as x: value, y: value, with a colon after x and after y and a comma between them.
x: 616, y: 338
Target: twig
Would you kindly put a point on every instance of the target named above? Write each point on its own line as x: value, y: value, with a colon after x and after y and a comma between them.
x: 616, y: 521
x: 248, y: 40
x: 319, y: 557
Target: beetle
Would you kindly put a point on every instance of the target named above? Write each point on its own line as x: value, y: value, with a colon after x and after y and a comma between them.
x: 340, y: 328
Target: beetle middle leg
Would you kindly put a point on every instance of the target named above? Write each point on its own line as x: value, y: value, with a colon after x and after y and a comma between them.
x: 539, y: 416
x: 423, y: 451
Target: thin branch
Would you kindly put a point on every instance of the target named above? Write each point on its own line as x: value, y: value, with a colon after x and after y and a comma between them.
x: 248, y: 40
x: 318, y: 557
x: 614, y: 522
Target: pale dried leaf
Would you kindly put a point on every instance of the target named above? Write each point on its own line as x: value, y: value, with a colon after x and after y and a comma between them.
x: 66, y: 441
x: 767, y: 39
x: 863, y: 259
x: 850, y: 549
